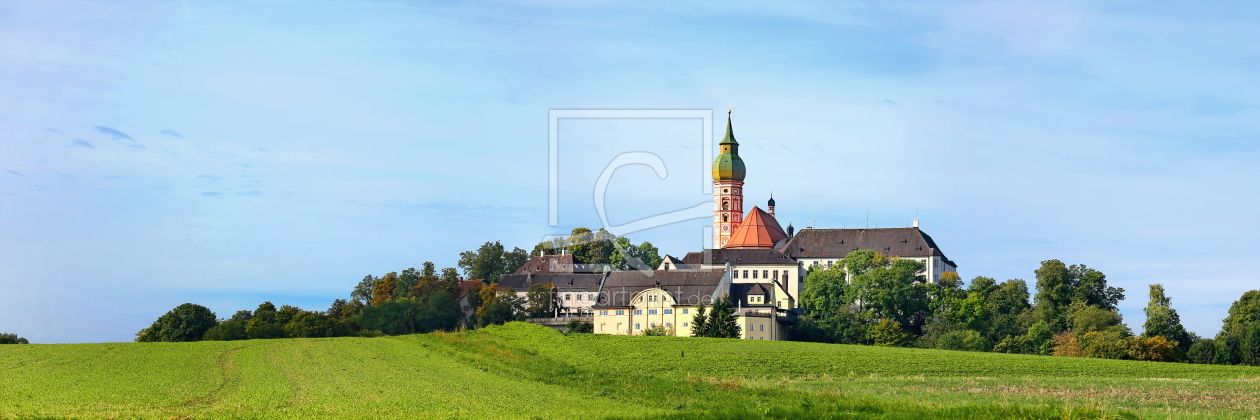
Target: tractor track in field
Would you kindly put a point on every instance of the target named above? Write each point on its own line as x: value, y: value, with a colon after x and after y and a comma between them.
x: 229, y: 378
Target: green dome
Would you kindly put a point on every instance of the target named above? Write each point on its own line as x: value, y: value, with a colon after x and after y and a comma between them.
x: 728, y: 167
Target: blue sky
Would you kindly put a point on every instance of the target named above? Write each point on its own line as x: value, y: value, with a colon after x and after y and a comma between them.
x: 156, y: 153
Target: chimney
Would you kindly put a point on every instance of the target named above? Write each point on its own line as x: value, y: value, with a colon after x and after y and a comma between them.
x: 916, y: 223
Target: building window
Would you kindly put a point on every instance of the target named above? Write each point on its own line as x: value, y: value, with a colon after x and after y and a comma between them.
x: 754, y: 274
x: 669, y: 312
x: 745, y: 273
x: 568, y: 296
x: 829, y: 264
x: 765, y: 274
x: 726, y: 205
x: 621, y: 312
x: 726, y: 218
x: 763, y: 327
x: 636, y: 326
x: 668, y: 325
x: 603, y: 313
x: 652, y: 325
x: 735, y: 273
x: 725, y: 190
x: 638, y: 312
x: 684, y: 325
x: 651, y: 312
x: 686, y: 311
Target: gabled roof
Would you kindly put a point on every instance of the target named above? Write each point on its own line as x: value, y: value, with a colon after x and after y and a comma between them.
x: 688, y: 287
x: 758, y: 230
x: 738, y: 256
x: 837, y: 243
x: 575, y: 282
x: 467, y: 286
x: 548, y: 264
x: 671, y: 262
x: 741, y: 291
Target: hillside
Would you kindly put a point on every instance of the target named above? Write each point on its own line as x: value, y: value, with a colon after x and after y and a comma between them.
x: 527, y: 371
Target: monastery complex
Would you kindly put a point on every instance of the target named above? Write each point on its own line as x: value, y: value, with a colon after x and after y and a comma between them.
x: 755, y: 261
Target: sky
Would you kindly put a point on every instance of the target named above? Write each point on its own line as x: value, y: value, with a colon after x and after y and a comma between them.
x: 225, y: 153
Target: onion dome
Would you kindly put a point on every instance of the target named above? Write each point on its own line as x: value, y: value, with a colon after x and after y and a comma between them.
x: 728, y: 166
x: 771, y: 202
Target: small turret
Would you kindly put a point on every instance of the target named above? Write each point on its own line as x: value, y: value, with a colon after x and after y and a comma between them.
x: 770, y: 205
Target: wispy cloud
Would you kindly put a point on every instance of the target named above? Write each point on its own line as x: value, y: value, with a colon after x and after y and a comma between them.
x: 53, y: 130
x: 67, y: 176
x: 80, y: 142
x: 115, y: 133
x: 211, y: 193
x: 171, y: 133
x: 14, y: 172
x: 251, y: 192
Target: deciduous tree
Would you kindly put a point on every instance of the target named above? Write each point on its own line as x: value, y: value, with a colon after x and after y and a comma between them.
x: 187, y: 322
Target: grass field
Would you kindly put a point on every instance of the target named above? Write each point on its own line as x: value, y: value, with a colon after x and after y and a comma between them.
x: 527, y: 371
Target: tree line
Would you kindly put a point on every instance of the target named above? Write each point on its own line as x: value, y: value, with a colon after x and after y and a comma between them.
x: 870, y: 298
x: 411, y: 301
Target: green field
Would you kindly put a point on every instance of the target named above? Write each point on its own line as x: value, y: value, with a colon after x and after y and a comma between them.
x: 527, y: 371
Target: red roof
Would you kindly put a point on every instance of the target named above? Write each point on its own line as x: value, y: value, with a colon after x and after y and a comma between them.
x: 758, y: 230
x: 467, y: 286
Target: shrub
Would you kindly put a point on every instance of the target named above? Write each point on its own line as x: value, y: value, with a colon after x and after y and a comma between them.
x: 1155, y: 349
x: 888, y: 333
x: 659, y: 331
x: 1065, y: 344
x: 1017, y: 344
x: 1104, y: 345
x: 1202, y: 352
x: 578, y: 327
x: 965, y: 340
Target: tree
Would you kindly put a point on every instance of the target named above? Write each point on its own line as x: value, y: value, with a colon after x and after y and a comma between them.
x: 498, y: 305
x: 187, y: 322
x: 9, y: 338
x: 718, y: 323
x: 889, y: 333
x: 1162, y: 320
x: 823, y: 296
x: 542, y: 300
x: 383, y: 290
x: 363, y: 291
x: 1202, y: 351
x: 889, y: 288
x: 1239, y: 339
x: 1085, y: 318
x: 263, y: 324
x: 490, y: 261
x: 311, y: 324
x: 1039, y: 338
x: 1058, y: 286
x: 1054, y: 293
x: 231, y: 329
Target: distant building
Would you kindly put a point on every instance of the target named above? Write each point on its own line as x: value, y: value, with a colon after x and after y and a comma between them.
x: 575, y: 291
x: 632, y: 301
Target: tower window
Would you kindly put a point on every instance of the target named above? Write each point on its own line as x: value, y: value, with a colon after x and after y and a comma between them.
x: 725, y: 190
x: 726, y: 205
x: 726, y: 218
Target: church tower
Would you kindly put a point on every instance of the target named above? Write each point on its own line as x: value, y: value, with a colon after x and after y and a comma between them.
x: 728, y: 188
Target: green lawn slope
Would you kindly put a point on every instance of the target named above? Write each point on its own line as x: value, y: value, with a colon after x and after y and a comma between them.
x: 526, y: 371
